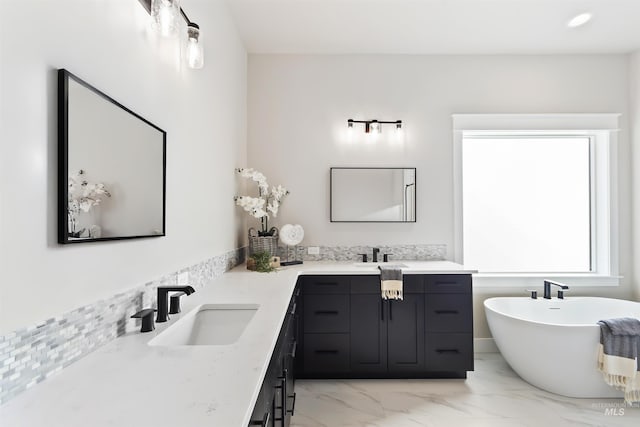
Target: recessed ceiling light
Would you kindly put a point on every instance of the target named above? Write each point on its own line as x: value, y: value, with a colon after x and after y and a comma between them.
x: 579, y: 20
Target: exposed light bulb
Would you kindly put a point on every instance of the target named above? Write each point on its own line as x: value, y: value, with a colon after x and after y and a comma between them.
x: 375, y: 127
x: 579, y: 20
x: 193, y: 50
x: 399, y: 134
x: 165, y: 17
x: 349, y: 130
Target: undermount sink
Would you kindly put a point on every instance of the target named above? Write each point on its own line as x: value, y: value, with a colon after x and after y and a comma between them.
x: 376, y: 264
x: 208, y: 324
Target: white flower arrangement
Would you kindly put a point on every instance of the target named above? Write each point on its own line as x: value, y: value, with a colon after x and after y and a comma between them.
x: 82, y: 196
x: 267, y: 202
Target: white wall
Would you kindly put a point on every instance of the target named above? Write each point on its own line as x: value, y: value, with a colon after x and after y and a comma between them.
x: 299, y: 106
x: 634, y: 114
x: 106, y: 43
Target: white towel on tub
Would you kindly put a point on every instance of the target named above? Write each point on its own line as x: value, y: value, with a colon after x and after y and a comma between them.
x: 618, y: 355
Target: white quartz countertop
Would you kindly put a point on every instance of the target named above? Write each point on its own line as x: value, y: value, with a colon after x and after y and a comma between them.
x: 129, y: 383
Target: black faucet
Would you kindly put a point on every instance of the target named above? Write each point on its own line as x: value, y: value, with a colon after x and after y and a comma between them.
x: 547, y: 288
x: 375, y: 254
x: 163, y: 300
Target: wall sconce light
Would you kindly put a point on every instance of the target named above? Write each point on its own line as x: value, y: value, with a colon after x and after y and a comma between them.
x: 165, y: 16
x: 193, y: 50
x: 165, y: 19
x: 374, y: 126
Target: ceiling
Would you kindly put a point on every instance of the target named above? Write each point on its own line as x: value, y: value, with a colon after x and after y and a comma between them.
x: 436, y: 26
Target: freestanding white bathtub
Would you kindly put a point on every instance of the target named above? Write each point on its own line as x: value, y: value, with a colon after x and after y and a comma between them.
x: 552, y: 344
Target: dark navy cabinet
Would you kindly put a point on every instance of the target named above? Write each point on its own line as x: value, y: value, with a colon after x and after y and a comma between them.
x: 405, y: 335
x: 368, y: 334
x: 276, y: 400
x: 325, y: 325
x: 348, y: 331
x: 387, y: 336
x: 448, y: 324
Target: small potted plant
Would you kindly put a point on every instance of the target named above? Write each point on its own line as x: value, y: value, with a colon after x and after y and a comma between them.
x: 262, y: 262
x: 266, y: 203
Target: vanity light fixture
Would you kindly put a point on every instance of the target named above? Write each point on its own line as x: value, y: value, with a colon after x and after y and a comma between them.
x: 165, y: 19
x: 374, y: 126
x: 194, y: 53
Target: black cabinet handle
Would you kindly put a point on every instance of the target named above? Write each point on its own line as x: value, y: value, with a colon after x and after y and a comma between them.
x: 327, y: 312
x: 294, y: 347
x: 446, y: 284
x: 293, y: 404
x: 447, y: 350
x: 326, y: 351
x: 293, y: 309
x: 263, y: 423
x: 446, y: 311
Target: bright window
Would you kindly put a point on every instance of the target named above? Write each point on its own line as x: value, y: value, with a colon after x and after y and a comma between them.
x: 536, y: 195
x: 526, y: 203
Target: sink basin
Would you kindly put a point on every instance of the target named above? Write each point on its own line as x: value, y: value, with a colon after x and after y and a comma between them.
x: 376, y: 264
x: 208, y: 324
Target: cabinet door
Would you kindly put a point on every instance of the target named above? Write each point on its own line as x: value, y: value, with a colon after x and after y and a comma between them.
x: 406, y: 334
x: 289, y: 366
x: 447, y: 284
x: 449, y: 352
x: 326, y: 314
x: 368, y: 333
x: 325, y: 285
x: 326, y: 354
x: 449, y: 313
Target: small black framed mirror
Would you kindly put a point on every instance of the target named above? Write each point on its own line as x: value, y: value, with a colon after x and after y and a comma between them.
x: 111, y: 167
x: 381, y: 194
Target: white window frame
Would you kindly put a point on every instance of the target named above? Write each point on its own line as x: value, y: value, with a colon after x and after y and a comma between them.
x: 603, y: 129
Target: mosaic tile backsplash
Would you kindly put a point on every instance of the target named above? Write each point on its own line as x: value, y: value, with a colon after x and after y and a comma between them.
x: 350, y: 253
x: 30, y: 355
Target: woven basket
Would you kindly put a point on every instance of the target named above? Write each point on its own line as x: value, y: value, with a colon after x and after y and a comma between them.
x: 263, y: 243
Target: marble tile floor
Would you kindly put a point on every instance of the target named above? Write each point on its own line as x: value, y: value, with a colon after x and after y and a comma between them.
x: 492, y: 396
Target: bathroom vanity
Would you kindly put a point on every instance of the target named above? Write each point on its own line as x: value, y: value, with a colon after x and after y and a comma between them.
x: 316, y: 320
x: 338, y: 326
x: 349, y: 331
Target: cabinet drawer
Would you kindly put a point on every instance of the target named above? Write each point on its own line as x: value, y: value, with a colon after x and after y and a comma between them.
x: 411, y: 284
x: 326, y: 313
x: 447, y: 283
x: 365, y: 284
x: 325, y: 285
x: 326, y: 353
x: 448, y: 313
x: 449, y: 352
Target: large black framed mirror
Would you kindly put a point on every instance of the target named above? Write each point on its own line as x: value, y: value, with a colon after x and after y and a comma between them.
x: 111, y: 167
x: 381, y: 194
